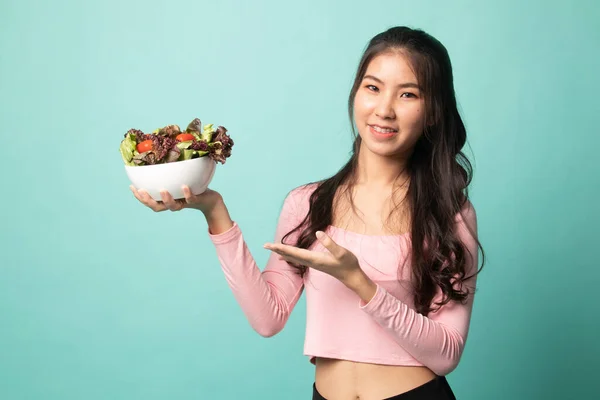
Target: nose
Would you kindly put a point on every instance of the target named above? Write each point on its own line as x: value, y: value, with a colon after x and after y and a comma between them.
x: 385, y: 108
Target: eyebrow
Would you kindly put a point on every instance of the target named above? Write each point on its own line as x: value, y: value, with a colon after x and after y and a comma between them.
x: 402, y: 85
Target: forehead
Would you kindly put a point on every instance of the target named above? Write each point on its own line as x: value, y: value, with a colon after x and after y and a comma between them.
x: 392, y: 67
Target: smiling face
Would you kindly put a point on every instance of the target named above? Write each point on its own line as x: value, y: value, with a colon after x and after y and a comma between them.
x: 389, y: 109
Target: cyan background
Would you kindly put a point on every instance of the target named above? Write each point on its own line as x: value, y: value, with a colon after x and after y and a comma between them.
x: 100, y: 298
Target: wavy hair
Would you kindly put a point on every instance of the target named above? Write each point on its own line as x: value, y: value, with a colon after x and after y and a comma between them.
x: 439, y: 172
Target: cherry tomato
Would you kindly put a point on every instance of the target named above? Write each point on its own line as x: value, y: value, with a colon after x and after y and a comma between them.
x: 144, y: 146
x: 184, y: 137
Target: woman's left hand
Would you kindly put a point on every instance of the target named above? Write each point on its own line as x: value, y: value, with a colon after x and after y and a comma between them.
x: 338, y: 262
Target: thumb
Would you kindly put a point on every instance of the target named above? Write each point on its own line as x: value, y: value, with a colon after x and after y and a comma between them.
x: 329, y: 244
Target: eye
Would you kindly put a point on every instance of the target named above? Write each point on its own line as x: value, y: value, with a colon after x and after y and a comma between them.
x: 372, y: 88
x: 409, y: 94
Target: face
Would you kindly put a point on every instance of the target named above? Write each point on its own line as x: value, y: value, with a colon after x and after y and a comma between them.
x: 389, y: 108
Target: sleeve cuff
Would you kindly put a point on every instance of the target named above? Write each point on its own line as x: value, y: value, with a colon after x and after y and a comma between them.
x: 226, y: 236
x: 374, y: 302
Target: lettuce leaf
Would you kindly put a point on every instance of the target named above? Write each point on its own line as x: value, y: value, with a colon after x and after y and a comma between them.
x: 194, y: 126
x: 173, y: 154
x: 146, y: 158
x: 165, y: 148
x: 187, y: 154
x: 207, y: 133
x: 127, y: 149
x: 184, y: 145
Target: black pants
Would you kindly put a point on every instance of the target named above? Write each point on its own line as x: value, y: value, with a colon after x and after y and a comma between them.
x: 436, y: 389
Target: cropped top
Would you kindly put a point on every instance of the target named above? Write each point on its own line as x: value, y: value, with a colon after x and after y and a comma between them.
x: 386, y: 330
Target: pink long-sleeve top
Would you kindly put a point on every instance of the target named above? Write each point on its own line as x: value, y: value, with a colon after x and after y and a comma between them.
x: 386, y: 330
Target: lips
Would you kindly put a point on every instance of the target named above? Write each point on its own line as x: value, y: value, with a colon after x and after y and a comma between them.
x: 383, y: 127
x: 381, y: 132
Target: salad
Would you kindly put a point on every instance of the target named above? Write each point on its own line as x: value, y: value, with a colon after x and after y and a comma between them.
x: 170, y: 144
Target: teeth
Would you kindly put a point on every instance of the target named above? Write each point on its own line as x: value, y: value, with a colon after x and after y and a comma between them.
x: 378, y: 129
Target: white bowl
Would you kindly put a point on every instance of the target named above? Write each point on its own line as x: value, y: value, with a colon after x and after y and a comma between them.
x: 195, y: 173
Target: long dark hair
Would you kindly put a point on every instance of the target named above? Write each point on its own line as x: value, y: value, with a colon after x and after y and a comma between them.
x: 439, y: 172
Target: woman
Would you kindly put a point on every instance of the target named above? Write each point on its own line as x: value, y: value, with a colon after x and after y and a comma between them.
x: 386, y: 249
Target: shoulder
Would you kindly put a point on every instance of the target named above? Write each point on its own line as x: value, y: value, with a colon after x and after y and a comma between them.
x: 467, y: 215
x: 296, y: 202
x: 300, y: 195
x: 466, y: 224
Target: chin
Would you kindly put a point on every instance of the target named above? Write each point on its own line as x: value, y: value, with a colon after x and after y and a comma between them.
x: 385, y: 149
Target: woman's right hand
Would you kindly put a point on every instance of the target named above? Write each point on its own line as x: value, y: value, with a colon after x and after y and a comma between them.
x: 205, y: 201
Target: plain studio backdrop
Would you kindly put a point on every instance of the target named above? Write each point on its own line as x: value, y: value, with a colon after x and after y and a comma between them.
x: 100, y: 298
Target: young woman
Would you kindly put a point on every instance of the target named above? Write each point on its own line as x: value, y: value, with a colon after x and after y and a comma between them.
x: 386, y: 249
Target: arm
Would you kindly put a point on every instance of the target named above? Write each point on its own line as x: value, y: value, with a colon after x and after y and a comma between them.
x: 438, y: 340
x: 267, y: 298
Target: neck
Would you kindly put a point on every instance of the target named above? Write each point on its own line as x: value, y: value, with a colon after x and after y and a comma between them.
x: 380, y: 171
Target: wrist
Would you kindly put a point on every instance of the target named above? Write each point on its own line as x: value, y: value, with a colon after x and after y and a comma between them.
x: 361, y: 284
x: 218, y: 219
x: 209, y: 207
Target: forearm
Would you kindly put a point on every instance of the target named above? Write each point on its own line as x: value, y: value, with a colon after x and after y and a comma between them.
x: 218, y: 219
x: 437, y: 345
x: 266, y: 297
x: 362, y: 285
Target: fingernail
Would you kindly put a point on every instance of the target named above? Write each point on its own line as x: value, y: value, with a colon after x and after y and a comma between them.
x: 319, y: 234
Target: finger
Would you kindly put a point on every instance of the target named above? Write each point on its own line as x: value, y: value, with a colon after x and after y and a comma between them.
x: 336, y: 250
x: 135, y: 193
x: 150, y: 202
x: 316, y: 260
x: 169, y: 202
x: 277, y: 250
x: 190, y: 198
x: 302, y: 255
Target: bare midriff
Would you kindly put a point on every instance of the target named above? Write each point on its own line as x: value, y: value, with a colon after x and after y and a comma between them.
x: 349, y: 380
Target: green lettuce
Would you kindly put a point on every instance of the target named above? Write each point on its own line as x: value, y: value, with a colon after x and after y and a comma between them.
x: 184, y: 145
x: 165, y: 148
x: 128, y: 150
x: 207, y: 133
x: 187, y: 154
